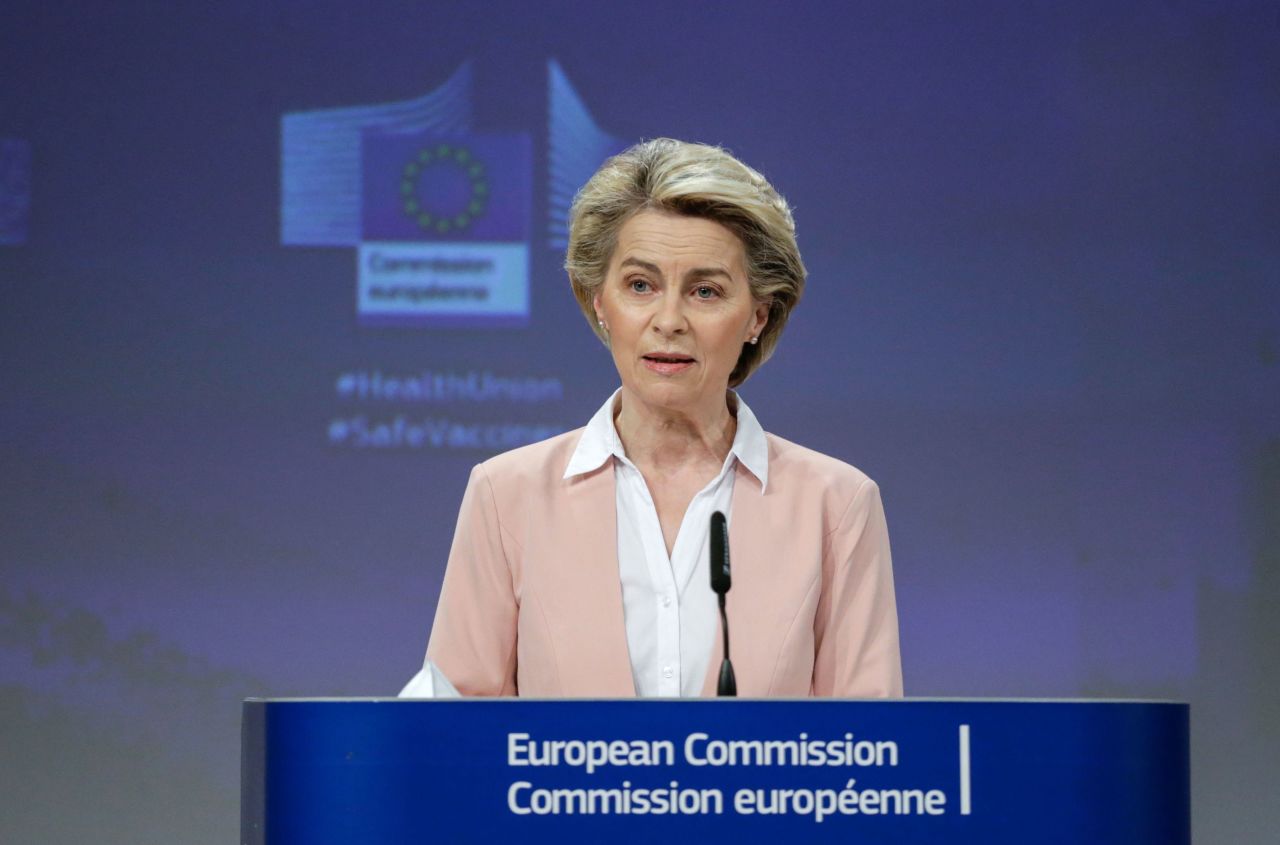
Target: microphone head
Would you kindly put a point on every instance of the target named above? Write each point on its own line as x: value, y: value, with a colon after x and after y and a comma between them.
x: 720, y: 579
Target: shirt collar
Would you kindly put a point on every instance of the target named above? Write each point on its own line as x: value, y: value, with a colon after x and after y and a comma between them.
x: 600, y: 442
x: 749, y: 443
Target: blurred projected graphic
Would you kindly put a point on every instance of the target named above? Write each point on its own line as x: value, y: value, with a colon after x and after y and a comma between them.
x: 15, y: 191
x: 440, y: 215
x: 321, y: 183
x: 577, y: 147
x: 445, y: 229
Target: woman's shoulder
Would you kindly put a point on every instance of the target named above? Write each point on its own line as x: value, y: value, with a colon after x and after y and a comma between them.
x: 837, y: 492
x: 541, y: 461
x: 790, y: 463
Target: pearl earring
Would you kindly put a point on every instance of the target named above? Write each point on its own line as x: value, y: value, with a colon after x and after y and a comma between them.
x: 753, y: 341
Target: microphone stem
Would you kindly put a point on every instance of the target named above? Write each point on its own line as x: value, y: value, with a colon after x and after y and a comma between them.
x: 724, y: 626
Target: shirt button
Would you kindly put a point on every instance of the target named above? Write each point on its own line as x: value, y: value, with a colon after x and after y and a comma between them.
x: 666, y: 672
x: 666, y: 601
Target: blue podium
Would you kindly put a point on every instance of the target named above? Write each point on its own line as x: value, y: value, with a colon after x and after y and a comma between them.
x: 516, y: 770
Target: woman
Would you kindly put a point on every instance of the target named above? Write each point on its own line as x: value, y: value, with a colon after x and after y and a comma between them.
x: 579, y: 566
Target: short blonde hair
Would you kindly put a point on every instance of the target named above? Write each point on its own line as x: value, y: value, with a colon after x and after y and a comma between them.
x: 696, y: 180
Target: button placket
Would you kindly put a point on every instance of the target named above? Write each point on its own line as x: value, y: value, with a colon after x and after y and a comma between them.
x: 663, y: 583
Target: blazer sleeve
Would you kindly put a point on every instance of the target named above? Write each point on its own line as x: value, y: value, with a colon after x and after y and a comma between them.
x: 856, y: 624
x: 473, y: 638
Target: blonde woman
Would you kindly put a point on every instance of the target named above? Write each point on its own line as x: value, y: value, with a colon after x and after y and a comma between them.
x: 580, y: 564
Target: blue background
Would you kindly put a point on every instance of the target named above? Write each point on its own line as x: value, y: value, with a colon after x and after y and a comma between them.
x: 1043, y: 314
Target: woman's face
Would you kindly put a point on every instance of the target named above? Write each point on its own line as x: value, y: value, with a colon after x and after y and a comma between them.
x: 678, y: 308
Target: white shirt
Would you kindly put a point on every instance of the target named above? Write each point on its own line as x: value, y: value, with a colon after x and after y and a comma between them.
x: 430, y: 682
x: 671, y: 614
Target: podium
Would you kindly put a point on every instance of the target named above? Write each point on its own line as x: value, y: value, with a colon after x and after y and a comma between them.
x: 386, y: 771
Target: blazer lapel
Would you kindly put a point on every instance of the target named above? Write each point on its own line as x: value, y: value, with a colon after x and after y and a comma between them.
x: 602, y: 661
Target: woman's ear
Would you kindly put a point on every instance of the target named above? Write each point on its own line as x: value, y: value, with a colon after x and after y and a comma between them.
x: 595, y: 304
x: 759, y: 321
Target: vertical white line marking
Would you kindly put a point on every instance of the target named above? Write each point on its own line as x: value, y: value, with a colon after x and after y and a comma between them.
x: 965, y: 806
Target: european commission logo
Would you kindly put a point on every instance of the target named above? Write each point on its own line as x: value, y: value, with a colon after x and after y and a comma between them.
x: 445, y: 228
x: 440, y: 215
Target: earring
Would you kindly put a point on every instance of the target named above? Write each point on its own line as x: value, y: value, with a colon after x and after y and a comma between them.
x: 602, y: 327
x: 753, y: 341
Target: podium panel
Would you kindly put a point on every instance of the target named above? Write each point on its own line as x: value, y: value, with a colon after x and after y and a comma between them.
x: 917, y: 771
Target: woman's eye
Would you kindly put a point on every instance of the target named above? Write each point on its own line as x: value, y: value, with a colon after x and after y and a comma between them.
x: 704, y: 292
x: 639, y: 285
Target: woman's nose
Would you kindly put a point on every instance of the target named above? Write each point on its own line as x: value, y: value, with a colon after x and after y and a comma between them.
x: 670, y: 318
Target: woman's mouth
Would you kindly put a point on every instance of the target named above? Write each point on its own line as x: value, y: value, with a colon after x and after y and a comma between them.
x: 667, y: 363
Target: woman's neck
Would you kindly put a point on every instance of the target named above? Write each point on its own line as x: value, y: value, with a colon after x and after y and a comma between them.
x: 667, y: 439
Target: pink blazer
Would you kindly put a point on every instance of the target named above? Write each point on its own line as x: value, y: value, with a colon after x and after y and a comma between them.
x: 532, y: 603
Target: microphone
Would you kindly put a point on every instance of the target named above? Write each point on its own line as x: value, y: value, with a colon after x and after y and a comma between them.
x: 720, y: 583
